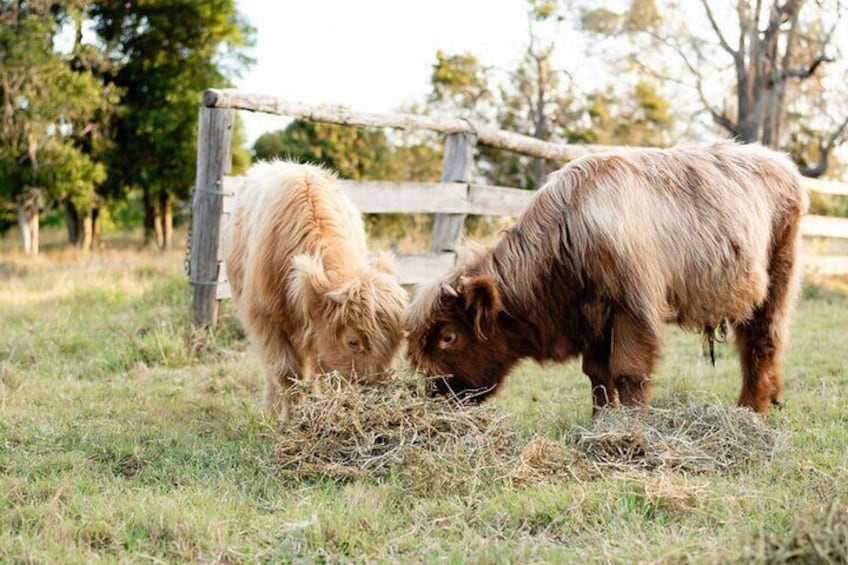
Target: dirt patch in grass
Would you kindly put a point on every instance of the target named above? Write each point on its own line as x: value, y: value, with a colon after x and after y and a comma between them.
x: 341, y: 431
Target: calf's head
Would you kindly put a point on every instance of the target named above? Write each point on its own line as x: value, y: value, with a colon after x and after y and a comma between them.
x: 354, y: 322
x: 456, y: 337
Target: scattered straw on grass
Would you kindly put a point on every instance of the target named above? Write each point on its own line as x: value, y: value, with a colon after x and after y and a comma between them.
x: 823, y: 541
x: 680, y: 434
x: 343, y: 431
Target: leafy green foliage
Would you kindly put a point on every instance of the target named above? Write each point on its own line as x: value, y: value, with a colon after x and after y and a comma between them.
x: 50, y: 108
x: 353, y: 153
x: 641, y: 118
x: 638, y: 16
x: 166, y: 53
x: 536, y: 100
x: 459, y: 80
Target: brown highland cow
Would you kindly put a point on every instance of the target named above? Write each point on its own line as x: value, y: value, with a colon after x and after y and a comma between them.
x: 611, y: 247
x: 310, y: 301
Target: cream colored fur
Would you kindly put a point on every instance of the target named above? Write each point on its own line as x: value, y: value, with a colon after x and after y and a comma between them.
x: 297, y: 263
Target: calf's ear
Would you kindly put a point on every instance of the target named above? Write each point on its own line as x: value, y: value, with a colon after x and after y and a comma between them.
x: 309, y: 280
x: 482, y: 300
x: 384, y: 263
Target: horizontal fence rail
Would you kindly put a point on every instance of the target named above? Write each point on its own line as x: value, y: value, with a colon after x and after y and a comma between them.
x: 450, y: 200
x: 386, y: 197
x: 340, y: 115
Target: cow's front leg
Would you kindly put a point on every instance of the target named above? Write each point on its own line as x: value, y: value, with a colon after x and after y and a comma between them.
x: 277, y: 384
x: 282, y: 367
x: 596, y: 365
x: 634, y: 349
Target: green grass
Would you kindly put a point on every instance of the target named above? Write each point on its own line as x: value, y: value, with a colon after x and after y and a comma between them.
x: 125, y: 437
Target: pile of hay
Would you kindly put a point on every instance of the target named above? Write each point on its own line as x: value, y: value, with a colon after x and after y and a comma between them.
x: 679, y: 434
x: 342, y: 431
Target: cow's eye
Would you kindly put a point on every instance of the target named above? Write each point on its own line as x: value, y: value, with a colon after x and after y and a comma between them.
x: 448, y: 339
x: 352, y: 342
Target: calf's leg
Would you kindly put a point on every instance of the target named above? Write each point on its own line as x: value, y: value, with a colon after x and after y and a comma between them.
x: 282, y: 364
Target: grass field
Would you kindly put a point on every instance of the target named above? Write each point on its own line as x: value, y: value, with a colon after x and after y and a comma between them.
x: 123, y: 437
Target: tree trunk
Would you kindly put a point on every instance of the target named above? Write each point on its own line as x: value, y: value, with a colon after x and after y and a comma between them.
x: 72, y: 222
x: 28, y: 223
x: 34, y: 237
x: 95, y: 225
x: 29, y: 204
x: 82, y: 226
x: 157, y: 228
x: 150, y: 224
x: 166, y: 221
x: 87, y: 232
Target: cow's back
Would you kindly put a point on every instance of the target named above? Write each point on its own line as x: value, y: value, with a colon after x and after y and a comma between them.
x: 681, y: 234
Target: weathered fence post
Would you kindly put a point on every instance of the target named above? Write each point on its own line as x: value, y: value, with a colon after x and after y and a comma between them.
x: 457, y: 165
x: 214, y: 146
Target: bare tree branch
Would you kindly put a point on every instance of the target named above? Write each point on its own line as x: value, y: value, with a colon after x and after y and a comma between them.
x: 721, y: 39
x: 718, y: 116
x: 804, y: 72
x: 825, y: 149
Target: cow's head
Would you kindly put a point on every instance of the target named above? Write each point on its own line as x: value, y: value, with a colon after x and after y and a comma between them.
x: 456, y: 336
x: 353, y: 322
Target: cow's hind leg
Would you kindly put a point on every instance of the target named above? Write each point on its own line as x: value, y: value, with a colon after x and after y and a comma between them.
x: 761, y: 339
x: 596, y: 366
x: 635, y: 348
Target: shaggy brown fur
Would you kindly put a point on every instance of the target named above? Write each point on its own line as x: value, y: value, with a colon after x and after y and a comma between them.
x: 296, y: 261
x: 613, y: 246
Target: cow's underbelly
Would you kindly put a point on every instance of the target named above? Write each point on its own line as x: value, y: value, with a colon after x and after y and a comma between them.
x: 728, y: 298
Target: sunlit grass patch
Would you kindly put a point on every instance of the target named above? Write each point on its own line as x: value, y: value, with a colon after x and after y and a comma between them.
x: 127, y: 437
x: 822, y: 539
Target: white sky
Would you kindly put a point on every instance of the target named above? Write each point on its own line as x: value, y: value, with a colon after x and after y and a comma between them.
x: 370, y: 55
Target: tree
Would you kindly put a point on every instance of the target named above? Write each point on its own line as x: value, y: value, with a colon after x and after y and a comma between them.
x: 540, y: 100
x: 354, y: 153
x: 166, y: 53
x: 48, y: 106
x: 526, y: 102
x: 773, y: 54
x: 640, y: 117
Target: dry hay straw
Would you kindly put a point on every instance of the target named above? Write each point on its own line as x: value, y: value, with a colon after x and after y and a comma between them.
x: 342, y: 431
x: 679, y: 434
x: 825, y: 540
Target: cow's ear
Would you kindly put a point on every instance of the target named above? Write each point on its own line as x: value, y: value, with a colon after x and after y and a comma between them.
x: 482, y: 300
x: 344, y: 293
x: 385, y: 263
x: 309, y: 280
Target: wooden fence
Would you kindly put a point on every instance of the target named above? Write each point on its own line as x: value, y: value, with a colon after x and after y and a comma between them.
x: 450, y: 200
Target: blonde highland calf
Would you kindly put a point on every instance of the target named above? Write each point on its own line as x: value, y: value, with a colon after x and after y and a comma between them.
x: 308, y: 297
